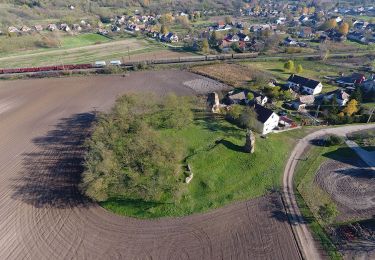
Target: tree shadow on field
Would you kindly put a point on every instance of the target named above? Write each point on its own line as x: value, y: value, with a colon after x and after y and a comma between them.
x: 231, y: 146
x: 52, y: 172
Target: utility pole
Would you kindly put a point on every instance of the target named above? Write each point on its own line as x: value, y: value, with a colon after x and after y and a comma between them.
x: 369, y: 118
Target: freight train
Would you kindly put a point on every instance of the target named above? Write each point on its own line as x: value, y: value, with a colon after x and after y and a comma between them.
x: 201, y: 58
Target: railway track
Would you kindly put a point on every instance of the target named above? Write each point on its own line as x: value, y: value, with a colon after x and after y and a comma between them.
x: 180, y: 60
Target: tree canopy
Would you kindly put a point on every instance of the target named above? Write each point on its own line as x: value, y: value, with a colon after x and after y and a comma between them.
x: 126, y: 156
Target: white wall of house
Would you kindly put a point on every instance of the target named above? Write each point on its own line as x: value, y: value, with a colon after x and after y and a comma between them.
x: 268, y: 126
x: 314, y: 91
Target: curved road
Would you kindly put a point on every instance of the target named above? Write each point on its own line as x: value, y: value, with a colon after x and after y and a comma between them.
x: 306, y: 242
x: 43, y: 123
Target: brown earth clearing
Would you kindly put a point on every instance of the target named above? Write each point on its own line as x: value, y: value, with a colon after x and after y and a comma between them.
x: 351, y: 186
x: 43, y: 125
x: 231, y: 74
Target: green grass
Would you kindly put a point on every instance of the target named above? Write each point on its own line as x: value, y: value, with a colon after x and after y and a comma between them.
x: 311, y: 69
x: 79, y: 40
x: 87, y: 53
x: 222, y: 172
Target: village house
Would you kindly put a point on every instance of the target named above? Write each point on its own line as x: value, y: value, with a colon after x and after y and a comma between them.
x: 25, y: 29
x: 304, y: 85
x: 306, y: 32
x: 369, y: 85
x: 64, y: 27
x: 221, y: 26
x: 38, y: 28
x: 51, y: 27
x: 301, y: 102
x: 290, y: 42
x: 12, y: 29
x: 102, y: 32
x: 266, y: 121
x: 341, y: 97
x: 355, y: 78
x: 243, y: 37
x: 77, y: 27
x: 115, y: 28
x: 232, y: 38
x: 281, y: 20
x: 170, y: 37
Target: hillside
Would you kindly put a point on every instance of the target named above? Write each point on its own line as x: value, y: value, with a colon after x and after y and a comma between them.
x: 28, y: 12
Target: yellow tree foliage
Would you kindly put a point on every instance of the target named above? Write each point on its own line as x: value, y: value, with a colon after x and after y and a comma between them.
x: 305, y: 10
x: 344, y: 28
x: 351, y: 108
x: 332, y: 24
x: 164, y: 29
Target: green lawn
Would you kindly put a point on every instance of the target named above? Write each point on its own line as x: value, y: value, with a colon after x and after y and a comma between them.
x: 311, y: 69
x: 79, y: 40
x: 222, y: 172
x: 80, y: 50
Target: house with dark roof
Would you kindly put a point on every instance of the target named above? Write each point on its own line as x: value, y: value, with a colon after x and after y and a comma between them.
x: 266, y: 121
x: 304, y: 85
x: 351, y: 80
x: 369, y: 85
x: 341, y: 97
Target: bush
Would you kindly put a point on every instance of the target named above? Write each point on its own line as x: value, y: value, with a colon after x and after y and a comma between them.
x: 334, y: 140
x: 328, y: 212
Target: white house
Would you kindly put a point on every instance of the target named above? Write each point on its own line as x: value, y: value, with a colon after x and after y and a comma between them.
x: 51, y: 27
x: 304, y: 85
x: 266, y: 121
x: 13, y: 29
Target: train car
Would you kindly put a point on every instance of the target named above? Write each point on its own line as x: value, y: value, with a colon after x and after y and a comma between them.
x: 192, y: 58
x: 211, y: 57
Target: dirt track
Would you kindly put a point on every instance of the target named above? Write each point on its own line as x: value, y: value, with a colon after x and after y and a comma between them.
x: 43, y: 216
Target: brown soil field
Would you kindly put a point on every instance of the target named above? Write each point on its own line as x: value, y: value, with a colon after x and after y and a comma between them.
x: 43, y: 216
x: 351, y: 185
x: 231, y: 74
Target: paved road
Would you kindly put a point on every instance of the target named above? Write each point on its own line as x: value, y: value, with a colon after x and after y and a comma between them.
x: 42, y: 215
x: 309, y: 247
